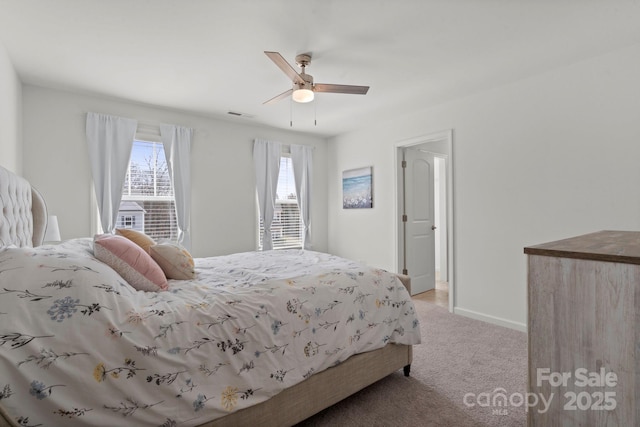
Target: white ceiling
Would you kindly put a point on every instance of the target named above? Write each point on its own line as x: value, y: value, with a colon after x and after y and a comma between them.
x: 206, y: 56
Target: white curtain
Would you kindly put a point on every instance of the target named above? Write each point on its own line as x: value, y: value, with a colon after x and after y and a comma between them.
x: 177, y: 148
x: 302, y: 160
x: 109, y: 139
x: 266, y: 158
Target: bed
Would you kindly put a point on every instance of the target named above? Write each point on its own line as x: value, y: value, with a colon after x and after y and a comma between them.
x: 258, y: 338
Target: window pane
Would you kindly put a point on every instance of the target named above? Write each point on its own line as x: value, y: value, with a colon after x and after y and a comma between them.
x: 148, y: 204
x: 286, y: 181
x: 148, y: 173
x: 286, y: 228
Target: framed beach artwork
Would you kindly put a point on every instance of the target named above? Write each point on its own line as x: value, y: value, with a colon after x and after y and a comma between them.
x: 357, y: 188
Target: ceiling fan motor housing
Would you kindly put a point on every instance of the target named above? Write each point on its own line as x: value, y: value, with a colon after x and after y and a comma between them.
x: 303, y: 59
x: 308, y: 79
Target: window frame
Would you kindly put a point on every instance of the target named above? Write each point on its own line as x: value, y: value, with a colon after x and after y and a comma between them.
x: 95, y: 222
x: 173, y: 223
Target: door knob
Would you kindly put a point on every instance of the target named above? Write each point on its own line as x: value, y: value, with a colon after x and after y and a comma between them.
x: 433, y: 227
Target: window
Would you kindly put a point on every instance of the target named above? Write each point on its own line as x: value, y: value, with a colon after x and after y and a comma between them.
x: 128, y: 221
x: 287, y: 228
x: 148, y: 203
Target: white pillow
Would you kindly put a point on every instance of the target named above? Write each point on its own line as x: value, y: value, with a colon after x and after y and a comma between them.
x: 175, y: 260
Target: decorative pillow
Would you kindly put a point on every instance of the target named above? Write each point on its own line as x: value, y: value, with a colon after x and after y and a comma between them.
x: 175, y: 261
x: 130, y: 261
x: 137, y: 237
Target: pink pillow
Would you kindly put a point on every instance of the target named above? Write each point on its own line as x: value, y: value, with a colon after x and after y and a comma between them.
x: 130, y: 261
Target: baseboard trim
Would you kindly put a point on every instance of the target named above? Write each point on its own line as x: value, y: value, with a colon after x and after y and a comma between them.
x: 490, y: 319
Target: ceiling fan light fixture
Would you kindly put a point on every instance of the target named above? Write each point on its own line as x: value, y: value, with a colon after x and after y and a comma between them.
x: 302, y: 95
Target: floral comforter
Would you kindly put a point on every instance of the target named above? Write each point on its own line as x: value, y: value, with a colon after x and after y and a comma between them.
x: 79, y: 346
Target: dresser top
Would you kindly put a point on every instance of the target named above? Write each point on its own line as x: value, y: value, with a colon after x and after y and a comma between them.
x: 610, y: 246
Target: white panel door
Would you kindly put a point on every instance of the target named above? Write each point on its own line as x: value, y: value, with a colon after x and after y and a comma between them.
x: 420, y: 245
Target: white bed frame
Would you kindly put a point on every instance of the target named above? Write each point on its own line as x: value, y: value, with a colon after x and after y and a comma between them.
x: 24, y: 222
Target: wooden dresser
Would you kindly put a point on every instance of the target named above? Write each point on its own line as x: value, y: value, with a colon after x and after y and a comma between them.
x: 584, y: 330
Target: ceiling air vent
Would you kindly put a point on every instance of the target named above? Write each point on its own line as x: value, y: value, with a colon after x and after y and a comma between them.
x: 235, y: 113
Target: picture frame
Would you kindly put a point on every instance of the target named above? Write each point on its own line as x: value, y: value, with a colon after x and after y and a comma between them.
x: 357, y: 188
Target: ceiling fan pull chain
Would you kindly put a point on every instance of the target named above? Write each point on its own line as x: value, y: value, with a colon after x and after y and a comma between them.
x: 291, y: 113
x: 315, y: 113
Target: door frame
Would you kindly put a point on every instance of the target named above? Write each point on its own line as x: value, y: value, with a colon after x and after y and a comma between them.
x: 445, y: 137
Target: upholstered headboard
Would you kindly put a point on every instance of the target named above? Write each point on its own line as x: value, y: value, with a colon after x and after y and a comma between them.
x: 23, y: 212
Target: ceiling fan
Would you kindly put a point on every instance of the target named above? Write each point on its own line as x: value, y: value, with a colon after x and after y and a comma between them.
x: 303, y: 86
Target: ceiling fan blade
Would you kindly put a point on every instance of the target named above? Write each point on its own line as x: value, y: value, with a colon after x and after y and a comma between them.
x: 354, y: 90
x: 285, y: 66
x: 279, y: 97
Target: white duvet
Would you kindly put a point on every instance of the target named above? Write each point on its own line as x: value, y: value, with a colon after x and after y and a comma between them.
x: 79, y: 346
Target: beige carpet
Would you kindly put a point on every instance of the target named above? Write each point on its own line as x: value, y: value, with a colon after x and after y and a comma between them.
x: 457, y: 356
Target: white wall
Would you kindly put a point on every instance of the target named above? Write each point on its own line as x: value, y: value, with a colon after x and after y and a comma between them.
x: 545, y: 158
x: 223, y: 182
x: 10, y: 115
